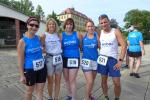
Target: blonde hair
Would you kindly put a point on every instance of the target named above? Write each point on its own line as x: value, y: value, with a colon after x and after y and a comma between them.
x: 54, y: 21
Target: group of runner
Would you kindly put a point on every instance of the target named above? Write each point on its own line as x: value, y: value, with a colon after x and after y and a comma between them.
x: 63, y: 56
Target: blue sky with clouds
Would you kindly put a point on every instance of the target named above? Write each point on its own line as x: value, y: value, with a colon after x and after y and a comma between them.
x: 93, y: 8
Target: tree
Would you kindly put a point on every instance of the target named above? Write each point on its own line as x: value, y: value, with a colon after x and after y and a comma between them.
x: 140, y: 18
x: 54, y: 16
x: 24, y: 6
x: 27, y: 7
x: 39, y: 13
x: 6, y: 2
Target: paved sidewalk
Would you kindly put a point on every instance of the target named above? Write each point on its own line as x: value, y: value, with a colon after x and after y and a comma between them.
x: 132, y: 88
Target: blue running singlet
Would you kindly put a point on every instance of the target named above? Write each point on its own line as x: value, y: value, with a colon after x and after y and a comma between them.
x: 33, y: 51
x: 134, y: 39
x: 70, y: 45
x: 90, y: 47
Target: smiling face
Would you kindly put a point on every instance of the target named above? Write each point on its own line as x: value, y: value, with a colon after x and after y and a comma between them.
x: 33, y: 26
x: 51, y: 26
x: 90, y: 27
x: 69, y: 27
x: 104, y: 23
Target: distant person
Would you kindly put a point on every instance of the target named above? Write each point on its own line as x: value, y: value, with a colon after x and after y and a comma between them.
x: 53, y: 58
x: 127, y: 58
x: 31, y: 62
x: 127, y: 52
x: 90, y: 44
x: 109, y: 63
x: 71, y: 41
x: 136, y: 50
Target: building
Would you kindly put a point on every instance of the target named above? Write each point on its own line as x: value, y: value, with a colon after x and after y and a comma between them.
x: 13, y: 25
x: 79, y: 18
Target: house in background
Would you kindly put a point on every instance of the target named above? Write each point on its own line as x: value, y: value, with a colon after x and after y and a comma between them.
x: 79, y: 18
x: 13, y: 26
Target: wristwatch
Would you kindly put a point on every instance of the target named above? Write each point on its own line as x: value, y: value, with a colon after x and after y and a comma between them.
x: 120, y: 59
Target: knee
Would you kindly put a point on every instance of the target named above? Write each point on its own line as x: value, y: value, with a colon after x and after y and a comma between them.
x: 104, y: 82
x: 29, y: 91
x: 117, y: 84
x: 57, y: 83
x: 72, y: 82
x: 90, y: 82
x: 139, y: 62
x: 50, y: 83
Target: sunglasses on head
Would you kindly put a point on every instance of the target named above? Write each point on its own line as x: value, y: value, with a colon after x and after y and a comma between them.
x: 32, y: 25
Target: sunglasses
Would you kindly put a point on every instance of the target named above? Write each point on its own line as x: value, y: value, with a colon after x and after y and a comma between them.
x: 32, y: 25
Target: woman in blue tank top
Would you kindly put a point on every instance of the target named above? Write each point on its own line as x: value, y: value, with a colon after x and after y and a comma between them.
x: 90, y: 47
x: 31, y: 62
x: 71, y: 55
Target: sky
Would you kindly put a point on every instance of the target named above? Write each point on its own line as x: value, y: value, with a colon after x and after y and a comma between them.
x: 115, y: 9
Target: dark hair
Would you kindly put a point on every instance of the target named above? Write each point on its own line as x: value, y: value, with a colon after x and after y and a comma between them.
x: 103, y: 16
x: 89, y: 21
x: 68, y: 21
x: 32, y: 18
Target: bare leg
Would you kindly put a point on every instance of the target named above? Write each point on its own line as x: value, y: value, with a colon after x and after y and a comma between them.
x: 104, y: 85
x: 117, y: 86
x: 57, y: 85
x: 39, y: 91
x: 131, y: 64
x: 94, y: 76
x: 50, y: 85
x: 138, y: 63
x: 72, y: 82
x: 127, y: 59
x: 66, y: 78
x: 29, y: 91
x: 89, y: 83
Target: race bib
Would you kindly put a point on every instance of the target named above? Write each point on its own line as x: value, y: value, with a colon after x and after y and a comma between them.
x: 57, y: 59
x: 38, y: 64
x: 102, y: 60
x: 85, y: 63
x: 72, y: 62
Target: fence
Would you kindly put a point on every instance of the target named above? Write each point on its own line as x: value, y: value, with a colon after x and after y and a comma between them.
x: 146, y: 41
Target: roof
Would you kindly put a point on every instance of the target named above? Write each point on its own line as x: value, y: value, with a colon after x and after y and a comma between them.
x: 73, y: 11
x: 9, y: 7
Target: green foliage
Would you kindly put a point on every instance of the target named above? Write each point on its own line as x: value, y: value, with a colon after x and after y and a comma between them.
x: 24, y: 6
x: 140, y: 18
x: 6, y: 2
x: 39, y: 12
x: 54, y: 16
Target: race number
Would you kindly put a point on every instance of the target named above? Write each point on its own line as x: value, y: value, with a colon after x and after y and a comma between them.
x: 38, y: 64
x: 72, y: 62
x: 57, y: 59
x: 85, y: 63
x: 102, y: 60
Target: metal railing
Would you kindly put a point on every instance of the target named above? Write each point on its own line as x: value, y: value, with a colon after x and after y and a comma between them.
x: 146, y: 41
